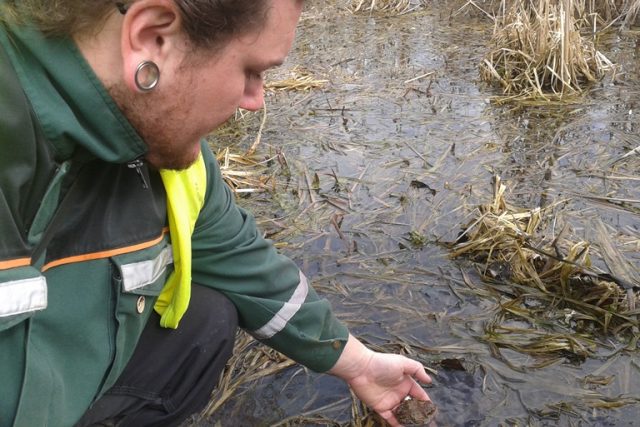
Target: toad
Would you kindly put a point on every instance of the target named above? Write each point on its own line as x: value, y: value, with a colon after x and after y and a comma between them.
x: 414, y: 412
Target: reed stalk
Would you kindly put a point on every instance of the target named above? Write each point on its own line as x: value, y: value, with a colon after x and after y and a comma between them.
x: 539, y: 51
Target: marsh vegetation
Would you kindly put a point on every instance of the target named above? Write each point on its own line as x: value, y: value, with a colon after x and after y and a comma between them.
x: 488, y: 226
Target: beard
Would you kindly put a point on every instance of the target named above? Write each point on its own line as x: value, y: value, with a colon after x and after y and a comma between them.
x: 160, y: 121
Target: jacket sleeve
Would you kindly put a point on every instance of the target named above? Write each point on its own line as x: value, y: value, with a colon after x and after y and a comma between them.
x: 275, y: 302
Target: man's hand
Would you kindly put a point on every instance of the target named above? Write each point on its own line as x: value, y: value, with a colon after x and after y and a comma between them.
x: 380, y: 380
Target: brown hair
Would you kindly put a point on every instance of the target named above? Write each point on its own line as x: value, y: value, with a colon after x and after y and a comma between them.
x: 207, y: 23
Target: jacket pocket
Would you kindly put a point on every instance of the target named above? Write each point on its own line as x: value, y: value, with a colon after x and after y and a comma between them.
x: 138, y: 278
x: 146, y: 276
x: 23, y: 292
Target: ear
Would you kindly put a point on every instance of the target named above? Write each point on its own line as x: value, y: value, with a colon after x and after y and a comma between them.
x: 151, y: 31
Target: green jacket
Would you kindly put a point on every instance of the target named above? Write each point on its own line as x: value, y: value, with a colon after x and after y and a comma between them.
x: 84, y: 247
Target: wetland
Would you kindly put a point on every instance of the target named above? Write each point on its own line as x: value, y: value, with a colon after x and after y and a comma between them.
x: 374, y: 172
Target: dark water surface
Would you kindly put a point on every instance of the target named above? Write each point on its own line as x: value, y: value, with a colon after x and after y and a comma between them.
x: 396, y: 154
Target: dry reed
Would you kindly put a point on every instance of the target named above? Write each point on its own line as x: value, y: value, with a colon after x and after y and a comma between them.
x: 250, y: 361
x: 397, y: 7
x: 300, y: 79
x: 539, y: 52
x: 609, y: 12
x: 243, y: 171
x: 547, y: 284
x: 600, y: 14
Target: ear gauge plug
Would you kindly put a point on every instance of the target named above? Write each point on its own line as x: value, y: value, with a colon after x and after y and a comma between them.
x: 147, y: 76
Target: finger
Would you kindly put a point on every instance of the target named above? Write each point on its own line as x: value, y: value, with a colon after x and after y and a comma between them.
x: 390, y: 418
x: 416, y: 370
x: 417, y: 392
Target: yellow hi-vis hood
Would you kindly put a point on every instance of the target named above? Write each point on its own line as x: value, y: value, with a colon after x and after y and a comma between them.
x: 185, y: 198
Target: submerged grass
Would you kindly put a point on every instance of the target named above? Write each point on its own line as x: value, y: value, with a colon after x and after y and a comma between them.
x: 553, y: 301
x: 525, y: 320
x: 242, y: 169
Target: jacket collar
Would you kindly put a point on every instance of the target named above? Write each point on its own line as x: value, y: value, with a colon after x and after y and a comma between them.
x: 70, y: 103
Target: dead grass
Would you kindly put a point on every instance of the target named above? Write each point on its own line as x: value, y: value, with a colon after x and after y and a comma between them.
x: 539, y: 52
x: 242, y: 169
x: 553, y: 301
x: 393, y: 7
x: 250, y: 362
x: 299, y: 79
x: 540, y: 308
x: 600, y: 13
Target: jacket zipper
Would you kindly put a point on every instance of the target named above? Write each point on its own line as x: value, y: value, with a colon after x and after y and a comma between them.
x: 137, y: 165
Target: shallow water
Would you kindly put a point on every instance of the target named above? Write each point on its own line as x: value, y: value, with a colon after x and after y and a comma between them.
x: 397, y: 153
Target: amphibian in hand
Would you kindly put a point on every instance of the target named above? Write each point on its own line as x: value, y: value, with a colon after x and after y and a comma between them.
x: 414, y: 413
